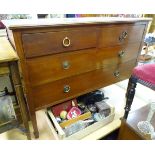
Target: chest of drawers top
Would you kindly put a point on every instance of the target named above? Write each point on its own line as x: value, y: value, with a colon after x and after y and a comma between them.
x: 58, y: 22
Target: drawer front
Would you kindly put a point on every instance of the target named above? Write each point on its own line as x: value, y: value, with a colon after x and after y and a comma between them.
x: 65, y: 89
x: 116, y: 35
x: 117, y: 54
x: 54, y: 67
x: 38, y: 44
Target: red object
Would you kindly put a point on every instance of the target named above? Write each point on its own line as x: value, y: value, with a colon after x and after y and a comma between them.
x: 63, y: 106
x: 146, y: 73
x: 73, y: 113
x: 2, y: 25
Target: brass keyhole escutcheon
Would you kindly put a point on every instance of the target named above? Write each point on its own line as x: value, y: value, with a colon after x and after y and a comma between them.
x: 66, y: 88
x: 66, y: 65
x: 121, y: 54
x: 116, y: 73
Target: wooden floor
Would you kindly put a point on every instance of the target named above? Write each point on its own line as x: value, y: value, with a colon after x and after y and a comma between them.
x: 116, y: 95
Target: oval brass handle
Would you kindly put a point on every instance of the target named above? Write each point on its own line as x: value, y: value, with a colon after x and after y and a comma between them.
x: 121, y: 54
x: 65, y: 65
x: 66, y: 88
x: 120, y: 38
x: 116, y: 73
x: 66, y: 42
x: 123, y: 36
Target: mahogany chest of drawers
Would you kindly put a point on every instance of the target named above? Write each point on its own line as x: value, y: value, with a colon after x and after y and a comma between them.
x: 63, y: 58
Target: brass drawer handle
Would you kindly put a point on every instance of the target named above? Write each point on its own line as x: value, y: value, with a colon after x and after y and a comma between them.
x: 66, y: 88
x: 123, y: 36
x: 66, y: 42
x: 121, y: 54
x: 120, y: 38
x: 116, y: 73
x: 65, y: 65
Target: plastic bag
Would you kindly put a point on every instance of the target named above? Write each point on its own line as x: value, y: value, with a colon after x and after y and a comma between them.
x: 7, y: 112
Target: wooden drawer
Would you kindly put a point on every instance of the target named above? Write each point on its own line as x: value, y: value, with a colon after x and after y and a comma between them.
x: 59, y: 66
x: 115, y: 55
x: 61, y: 90
x: 38, y: 44
x: 59, y: 133
x: 116, y: 35
x: 54, y: 67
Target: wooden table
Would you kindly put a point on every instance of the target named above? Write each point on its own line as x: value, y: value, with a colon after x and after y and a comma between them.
x: 129, y: 129
x: 9, y: 65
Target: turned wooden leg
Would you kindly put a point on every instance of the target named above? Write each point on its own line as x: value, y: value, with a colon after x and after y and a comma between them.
x: 20, y: 96
x: 130, y: 95
x: 34, y: 124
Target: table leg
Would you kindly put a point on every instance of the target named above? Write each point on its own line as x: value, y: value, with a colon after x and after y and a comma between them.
x: 20, y: 95
x: 34, y: 123
x: 130, y: 95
